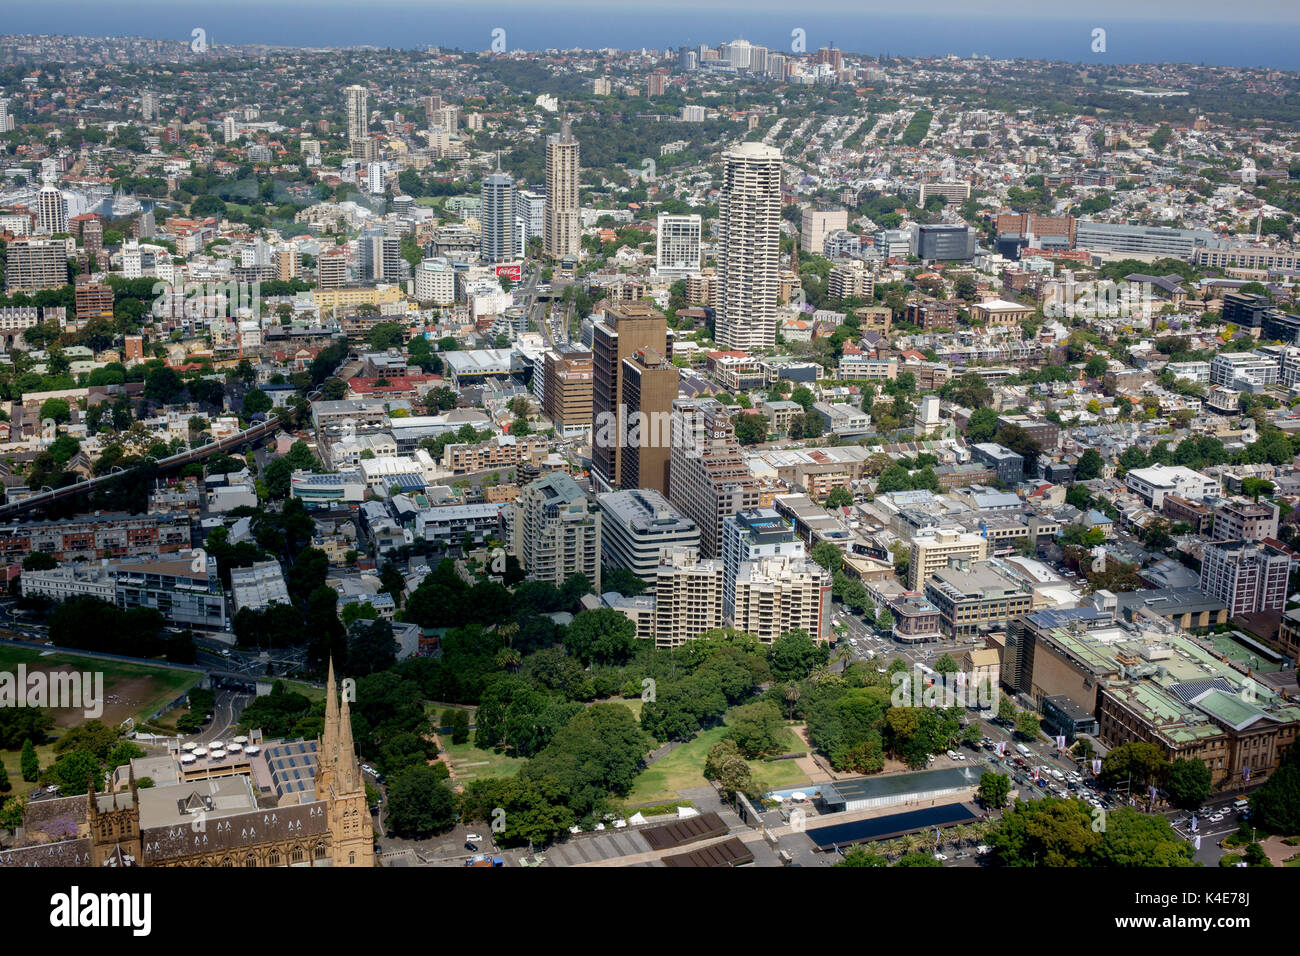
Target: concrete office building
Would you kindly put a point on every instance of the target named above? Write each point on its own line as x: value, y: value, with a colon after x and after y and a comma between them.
x: 497, y: 241
x: 562, y: 230
x: 530, y: 215
x: 708, y: 480
x: 944, y: 242
x: 749, y: 246
x: 640, y: 529
x: 817, y: 224
x: 1245, y: 575
x: 626, y: 329
x: 977, y: 599
x: 935, y: 548
x: 1142, y: 240
x: 555, y: 531
x: 677, y: 246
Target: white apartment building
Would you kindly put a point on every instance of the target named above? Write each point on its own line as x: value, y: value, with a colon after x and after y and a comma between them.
x: 1233, y: 369
x: 779, y: 594
x: 749, y: 246
x: 554, y: 532
x: 1152, y: 484
x: 435, y: 281
x: 688, y: 598
x: 677, y: 249
x: 71, y: 581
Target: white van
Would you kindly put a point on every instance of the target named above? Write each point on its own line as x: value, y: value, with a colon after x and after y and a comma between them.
x: 1023, y: 750
x: 1240, y: 805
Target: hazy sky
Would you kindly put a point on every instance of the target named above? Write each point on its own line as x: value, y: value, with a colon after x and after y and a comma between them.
x: 1275, y: 11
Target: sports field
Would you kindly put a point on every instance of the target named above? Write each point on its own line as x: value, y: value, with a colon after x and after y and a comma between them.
x: 130, y: 689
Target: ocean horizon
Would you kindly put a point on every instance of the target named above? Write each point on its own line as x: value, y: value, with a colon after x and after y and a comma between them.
x: 408, y: 25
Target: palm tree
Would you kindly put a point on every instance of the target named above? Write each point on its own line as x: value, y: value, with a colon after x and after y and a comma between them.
x: 792, y: 695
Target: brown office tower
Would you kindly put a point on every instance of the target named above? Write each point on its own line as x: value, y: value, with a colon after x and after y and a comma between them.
x: 649, y: 388
x: 708, y: 478
x: 625, y: 329
x: 568, y: 390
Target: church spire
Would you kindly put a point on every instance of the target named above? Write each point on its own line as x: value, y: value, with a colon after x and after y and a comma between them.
x: 345, y: 756
x: 327, y: 743
x: 330, y: 735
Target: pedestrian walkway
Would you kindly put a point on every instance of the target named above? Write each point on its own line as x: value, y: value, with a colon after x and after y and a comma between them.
x: 609, y: 848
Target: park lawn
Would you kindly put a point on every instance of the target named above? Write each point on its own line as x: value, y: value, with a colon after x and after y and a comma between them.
x: 130, y: 689
x: 683, y: 769
x: 307, y: 690
x: 12, y: 760
x: 472, y: 763
x: 633, y: 704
